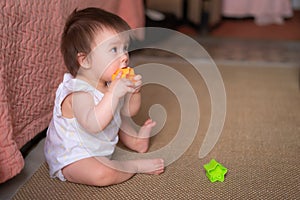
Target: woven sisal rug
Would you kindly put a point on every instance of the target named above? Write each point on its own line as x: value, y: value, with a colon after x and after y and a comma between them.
x: 259, y: 144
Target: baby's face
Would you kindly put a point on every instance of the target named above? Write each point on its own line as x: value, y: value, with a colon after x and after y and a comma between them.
x: 110, y: 52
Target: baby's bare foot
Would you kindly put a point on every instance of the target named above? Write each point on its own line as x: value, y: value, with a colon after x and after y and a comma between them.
x: 144, y: 135
x: 151, y: 166
x: 145, y: 130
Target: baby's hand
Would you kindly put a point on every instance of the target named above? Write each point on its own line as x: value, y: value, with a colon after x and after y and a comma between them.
x: 121, y: 86
x: 137, y: 81
x: 128, y: 74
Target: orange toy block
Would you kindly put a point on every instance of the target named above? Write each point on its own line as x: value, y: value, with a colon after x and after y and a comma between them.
x: 127, y: 72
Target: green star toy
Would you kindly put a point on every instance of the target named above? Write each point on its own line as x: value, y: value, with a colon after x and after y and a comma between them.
x: 215, y: 171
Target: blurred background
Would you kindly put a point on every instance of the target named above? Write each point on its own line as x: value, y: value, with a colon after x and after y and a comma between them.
x: 251, y: 19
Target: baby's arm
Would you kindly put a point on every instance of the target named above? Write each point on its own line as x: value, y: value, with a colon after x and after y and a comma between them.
x: 95, y: 118
x: 133, y: 100
x: 132, y: 104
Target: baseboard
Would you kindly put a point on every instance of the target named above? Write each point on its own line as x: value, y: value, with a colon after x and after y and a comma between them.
x: 25, y: 150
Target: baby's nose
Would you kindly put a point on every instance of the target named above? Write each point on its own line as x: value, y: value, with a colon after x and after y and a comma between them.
x: 124, y: 59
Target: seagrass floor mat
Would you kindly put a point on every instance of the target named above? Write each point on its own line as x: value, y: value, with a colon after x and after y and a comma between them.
x: 259, y: 144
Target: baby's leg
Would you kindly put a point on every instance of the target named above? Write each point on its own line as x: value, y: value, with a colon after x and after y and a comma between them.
x: 136, y: 141
x: 91, y: 171
x: 144, y: 166
x: 103, y: 172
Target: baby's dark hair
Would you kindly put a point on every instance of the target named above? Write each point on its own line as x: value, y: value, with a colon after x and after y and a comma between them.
x: 80, y: 30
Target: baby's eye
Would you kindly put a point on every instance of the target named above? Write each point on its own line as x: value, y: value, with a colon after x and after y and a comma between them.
x: 114, y: 50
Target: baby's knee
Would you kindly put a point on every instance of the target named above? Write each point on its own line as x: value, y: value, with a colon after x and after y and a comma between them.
x: 104, y: 177
x: 97, y: 177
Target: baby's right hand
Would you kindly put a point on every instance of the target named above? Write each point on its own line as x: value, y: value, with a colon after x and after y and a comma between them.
x: 121, y: 86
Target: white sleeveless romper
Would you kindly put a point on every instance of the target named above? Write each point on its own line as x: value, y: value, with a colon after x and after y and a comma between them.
x: 66, y: 141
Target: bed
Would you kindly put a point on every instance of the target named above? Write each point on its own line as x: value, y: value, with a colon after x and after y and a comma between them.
x: 31, y: 67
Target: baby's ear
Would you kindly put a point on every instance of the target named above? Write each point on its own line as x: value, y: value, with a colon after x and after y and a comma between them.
x: 82, y: 60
